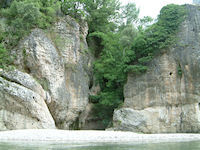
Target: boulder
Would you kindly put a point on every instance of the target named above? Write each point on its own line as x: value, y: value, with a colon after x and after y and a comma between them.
x: 22, y: 103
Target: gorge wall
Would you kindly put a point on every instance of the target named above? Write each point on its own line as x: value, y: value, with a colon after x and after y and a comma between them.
x: 167, y: 97
x: 50, y: 86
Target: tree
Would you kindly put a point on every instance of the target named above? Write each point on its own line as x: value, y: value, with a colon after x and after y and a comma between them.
x: 157, y: 37
x: 99, y: 14
x: 73, y: 8
x: 109, y: 74
x: 130, y: 13
x: 110, y: 67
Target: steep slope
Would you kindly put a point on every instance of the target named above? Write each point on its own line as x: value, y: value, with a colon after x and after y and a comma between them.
x: 166, y: 98
x: 58, y: 62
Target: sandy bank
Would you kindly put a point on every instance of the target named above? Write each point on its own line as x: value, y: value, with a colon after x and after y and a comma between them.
x: 91, y: 136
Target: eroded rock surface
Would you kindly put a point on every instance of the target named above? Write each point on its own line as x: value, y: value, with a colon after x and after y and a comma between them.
x: 56, y: 83
x: 167, y: 97
x: 22, y: 103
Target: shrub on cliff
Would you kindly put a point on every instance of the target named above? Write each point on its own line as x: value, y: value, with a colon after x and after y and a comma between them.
x: 159, y: 36
x: 23, y: 15
x: 5, y: 59
x: 130, y: 50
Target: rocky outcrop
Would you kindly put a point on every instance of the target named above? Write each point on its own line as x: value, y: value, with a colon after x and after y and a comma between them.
x: 56, y: 83
x: 166, y: 98
x: 22, y: 102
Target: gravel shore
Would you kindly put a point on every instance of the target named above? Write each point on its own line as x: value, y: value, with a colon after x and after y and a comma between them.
x: 65, y: 136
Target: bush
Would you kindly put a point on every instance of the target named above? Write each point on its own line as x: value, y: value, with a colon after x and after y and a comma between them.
x: 159, y: 36
x: 5, y: 59
x: 23, y: 15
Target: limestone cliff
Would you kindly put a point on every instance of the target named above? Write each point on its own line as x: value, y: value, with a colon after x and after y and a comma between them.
x: 50, y: 86
x: 167, y: 97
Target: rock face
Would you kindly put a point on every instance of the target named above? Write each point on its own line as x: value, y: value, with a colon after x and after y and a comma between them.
x: 56, y: 82
x: 22, y: 102
x: 167, y: 97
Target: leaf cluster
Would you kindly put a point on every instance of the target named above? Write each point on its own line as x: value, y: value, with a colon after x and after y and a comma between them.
x: 24, y: 15
x: 160, y: 36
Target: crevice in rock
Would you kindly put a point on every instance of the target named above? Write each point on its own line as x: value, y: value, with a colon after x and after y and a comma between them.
x: 179, y: 70
x: 57, y: 123
x: 91, y: 84
x: 181, y: 121
x: 14, y: 81
x: 27, y: 69
x: 75, y: 125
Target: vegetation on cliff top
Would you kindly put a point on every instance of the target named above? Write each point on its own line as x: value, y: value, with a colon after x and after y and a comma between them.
x: 130, y: 49
x: 120, y: 41
x: 123, y: 47
x: 24, y: 15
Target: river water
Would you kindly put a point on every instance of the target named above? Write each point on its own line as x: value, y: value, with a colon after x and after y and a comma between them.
x: 195, y: 145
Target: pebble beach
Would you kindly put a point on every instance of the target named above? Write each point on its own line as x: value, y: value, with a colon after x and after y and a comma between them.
x: 84, y: 136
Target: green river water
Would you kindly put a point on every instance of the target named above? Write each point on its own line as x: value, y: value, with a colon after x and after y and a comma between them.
x: 155, y: 146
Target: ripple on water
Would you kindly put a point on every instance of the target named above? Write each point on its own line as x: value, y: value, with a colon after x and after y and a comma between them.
x: 97, y: 146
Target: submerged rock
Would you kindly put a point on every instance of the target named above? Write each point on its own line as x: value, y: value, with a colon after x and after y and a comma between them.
x: 167, y: 97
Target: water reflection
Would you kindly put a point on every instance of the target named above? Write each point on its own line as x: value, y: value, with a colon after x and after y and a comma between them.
x: 155, y: 146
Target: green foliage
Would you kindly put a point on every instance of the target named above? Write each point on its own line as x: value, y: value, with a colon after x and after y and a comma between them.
x: 114, y: 52
x: 43, y: 82
x: 109, y: 100
x: 94, y: 98
x: 2, y: 30
x: 130, y: 13
x: 99, y: 15
x: 23, y: 15
x: 109, y: 72
x: 119, y: 47
x: 5, y: 3
x: 136, y: 69
x: 171, y: 16
x: 5, y: 59
x: 73, y: 8
x: 179, y: 70
x: 127, y: 34
x: 157, y: 37
x: 130, y: 50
